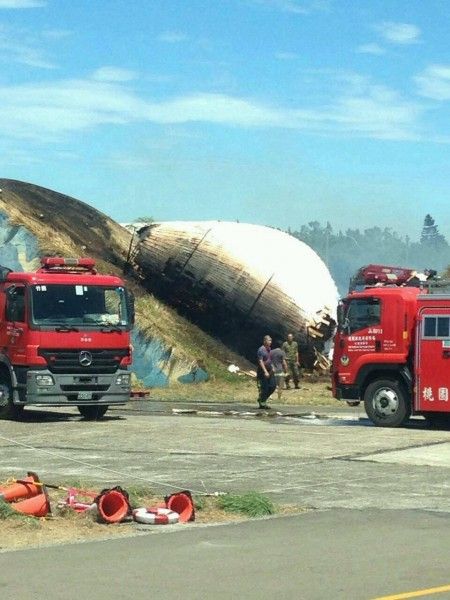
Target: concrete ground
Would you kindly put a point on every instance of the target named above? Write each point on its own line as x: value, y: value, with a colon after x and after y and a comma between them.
x: 337, y: 461
x: 382, y: 524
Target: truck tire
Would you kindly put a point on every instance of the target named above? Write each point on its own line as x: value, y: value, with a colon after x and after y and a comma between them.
x: 8, y: 410
x: 386, y: 403
x: 92, y: 413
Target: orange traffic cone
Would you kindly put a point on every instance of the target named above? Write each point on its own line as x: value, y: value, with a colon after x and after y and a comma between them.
x: 183, y: 504
x: 37, y: 506
x: 24, y: 488
x: 113, y: 506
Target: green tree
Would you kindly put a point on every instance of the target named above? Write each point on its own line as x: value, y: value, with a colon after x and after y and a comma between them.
x: 144, y: 220
x: 430, y: 234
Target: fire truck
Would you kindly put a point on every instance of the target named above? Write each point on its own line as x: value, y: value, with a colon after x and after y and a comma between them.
x: 64, y: 338
x: 392, y: 346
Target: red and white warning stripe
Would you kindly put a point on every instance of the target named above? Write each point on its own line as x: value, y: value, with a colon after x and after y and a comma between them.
x: 155, y: 516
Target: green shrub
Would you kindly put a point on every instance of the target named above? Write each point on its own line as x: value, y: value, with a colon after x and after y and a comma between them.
x: 252, y: 504
x: 199, y: 503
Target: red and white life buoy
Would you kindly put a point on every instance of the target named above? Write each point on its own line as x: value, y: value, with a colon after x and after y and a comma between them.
x: 155, y: 516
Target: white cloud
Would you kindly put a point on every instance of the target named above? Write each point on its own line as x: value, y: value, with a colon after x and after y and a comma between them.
x: 380, y: 113
x: 286, y: 56
x: 66, y: 155
x: 19, y: 46
x: 375, y: 49
x: 214, y: 108
x: 51, y: 110
x: 23, y: 54
x: 22, y: 4
x: 114, y: 74
x: 398, y: 33
x: 434, y: 82
x: 56, y: 34
x: 172, y: 37
x: 298, y: 7
x: 17, y: 157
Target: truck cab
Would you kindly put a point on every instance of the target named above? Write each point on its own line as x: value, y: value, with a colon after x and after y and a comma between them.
x: 392, y: 347
x: 64, y: 338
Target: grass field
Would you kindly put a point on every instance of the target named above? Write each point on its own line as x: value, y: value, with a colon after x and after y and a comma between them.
x: 314, y: 391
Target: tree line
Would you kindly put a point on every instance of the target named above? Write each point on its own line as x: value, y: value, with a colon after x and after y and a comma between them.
x: 344, y: 252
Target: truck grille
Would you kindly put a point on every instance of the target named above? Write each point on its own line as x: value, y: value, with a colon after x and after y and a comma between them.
x: 85, y: 388
x: 68, y: 361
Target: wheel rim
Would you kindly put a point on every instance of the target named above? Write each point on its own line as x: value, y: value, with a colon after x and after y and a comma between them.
x: 4, y: 395
x: 385, y: 402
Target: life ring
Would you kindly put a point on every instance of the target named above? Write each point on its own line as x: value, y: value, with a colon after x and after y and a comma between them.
x: 155, y: 516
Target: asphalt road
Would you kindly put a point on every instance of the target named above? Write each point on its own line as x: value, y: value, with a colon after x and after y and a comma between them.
x: 339, y: 554
x: 381, y: 524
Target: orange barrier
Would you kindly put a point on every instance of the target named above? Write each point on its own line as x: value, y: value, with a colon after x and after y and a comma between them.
x: 113, y: 506
x: 182, y: 503
x: 22, y: 488
x: 79, y: 505
x: 37, y: 506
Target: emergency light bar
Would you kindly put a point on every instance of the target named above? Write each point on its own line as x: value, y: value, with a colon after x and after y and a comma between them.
x: 73, y: 265
x: 382, y: 275
x: 373, y: 274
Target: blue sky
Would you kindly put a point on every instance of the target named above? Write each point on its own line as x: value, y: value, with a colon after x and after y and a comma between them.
x: 275, y: 112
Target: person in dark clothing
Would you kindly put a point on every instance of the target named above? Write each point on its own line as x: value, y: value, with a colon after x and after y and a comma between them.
x: 264, y: 373
x: 280, y: 368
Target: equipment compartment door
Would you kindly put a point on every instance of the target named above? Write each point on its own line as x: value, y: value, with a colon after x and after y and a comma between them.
x: 433, y: 360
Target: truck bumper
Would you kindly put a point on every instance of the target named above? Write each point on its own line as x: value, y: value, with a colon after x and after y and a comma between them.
x: 347, y: 392
x: 77, y: 389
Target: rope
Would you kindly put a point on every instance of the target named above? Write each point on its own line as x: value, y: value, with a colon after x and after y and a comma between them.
x: 107, y: 469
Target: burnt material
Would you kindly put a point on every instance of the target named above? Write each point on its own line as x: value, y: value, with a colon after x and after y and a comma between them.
x: 196, y: 268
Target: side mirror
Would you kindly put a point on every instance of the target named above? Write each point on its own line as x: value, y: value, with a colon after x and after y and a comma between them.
x: 343, y: 322
x: 340, y: 315
x: 15, y: 304
x: 130, y: 305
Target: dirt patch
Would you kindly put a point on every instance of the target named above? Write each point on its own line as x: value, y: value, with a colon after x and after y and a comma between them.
x: 66, y: 526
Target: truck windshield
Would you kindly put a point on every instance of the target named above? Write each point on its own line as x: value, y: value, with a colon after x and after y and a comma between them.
x: 361, y: 313
x: 78, y: 306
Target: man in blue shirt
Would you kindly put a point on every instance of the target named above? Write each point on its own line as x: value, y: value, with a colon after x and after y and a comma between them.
x: 264, y: 373
x: 280, y: 369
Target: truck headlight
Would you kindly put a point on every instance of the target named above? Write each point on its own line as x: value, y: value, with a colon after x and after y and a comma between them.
x: 123, y: 379
x: 44, y: 380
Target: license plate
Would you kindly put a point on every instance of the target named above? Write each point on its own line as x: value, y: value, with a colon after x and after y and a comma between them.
x: 84, y: 395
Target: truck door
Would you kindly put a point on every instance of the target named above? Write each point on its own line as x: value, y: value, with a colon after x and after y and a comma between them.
x: 433, y: 360
x: 15, y: 316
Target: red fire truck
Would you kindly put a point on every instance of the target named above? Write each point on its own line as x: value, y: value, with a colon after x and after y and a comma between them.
x: 392, y: 346
x: 64, y: 338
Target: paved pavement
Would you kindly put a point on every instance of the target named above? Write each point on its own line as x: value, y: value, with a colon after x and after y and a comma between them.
x: 337, y: 462
x: 381, y: 526
x: 339, y: 554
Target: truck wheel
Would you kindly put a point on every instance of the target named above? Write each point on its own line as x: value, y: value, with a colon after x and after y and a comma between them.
x: 92, y: 413
x: 386, y: 403
x: 8, y: 410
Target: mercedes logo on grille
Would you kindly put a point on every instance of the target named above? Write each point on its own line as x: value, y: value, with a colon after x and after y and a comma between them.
x: 85, y: 358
